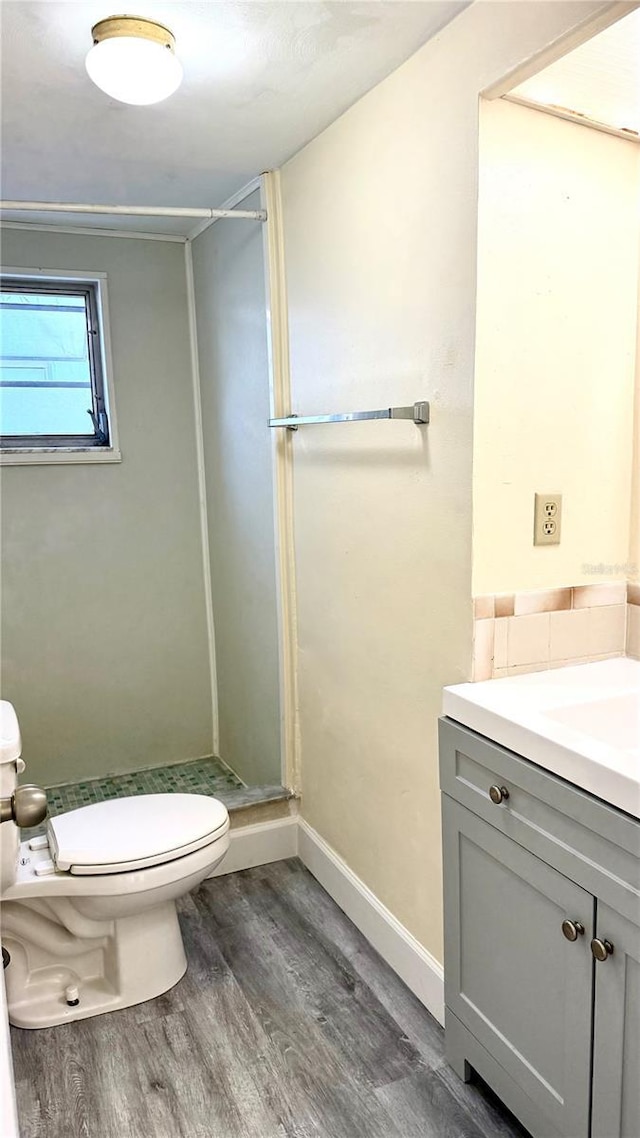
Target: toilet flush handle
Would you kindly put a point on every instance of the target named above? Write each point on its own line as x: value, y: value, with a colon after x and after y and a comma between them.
x: 26, y: 807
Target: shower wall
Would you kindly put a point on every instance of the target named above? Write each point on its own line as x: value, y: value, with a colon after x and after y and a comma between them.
x: 234, y: 375
x: 104, y: 638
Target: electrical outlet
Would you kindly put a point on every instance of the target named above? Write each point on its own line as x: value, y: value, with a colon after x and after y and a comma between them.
x: 547, y: 519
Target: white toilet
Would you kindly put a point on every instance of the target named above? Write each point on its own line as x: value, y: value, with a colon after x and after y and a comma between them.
x: 88, y: 910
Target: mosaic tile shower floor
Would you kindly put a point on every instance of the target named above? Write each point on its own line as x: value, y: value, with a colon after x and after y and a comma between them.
x: 199, y: 776
x: 202, y: 776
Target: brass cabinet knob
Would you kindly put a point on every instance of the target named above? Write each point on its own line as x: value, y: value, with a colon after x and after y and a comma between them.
x: 572, y: 929
x: 498, y: 794
x: 601, y: 949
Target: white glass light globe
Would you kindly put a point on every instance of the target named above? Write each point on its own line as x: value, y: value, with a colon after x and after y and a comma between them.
x: 134, y: 70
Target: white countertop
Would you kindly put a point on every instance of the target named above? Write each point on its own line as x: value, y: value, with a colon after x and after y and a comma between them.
x: 582, y: 723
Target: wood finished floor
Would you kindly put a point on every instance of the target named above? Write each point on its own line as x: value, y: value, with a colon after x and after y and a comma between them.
x: 286, y: 1025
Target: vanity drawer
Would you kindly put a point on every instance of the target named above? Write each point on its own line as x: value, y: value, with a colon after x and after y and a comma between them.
x: 594, y: 844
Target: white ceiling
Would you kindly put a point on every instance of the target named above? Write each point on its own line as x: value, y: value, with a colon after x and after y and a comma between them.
x: 261, y: 80
x: 600, y: 79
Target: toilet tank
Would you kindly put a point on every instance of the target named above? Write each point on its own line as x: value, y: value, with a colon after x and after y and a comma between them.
x: 10, y: 764
x: 10, y: 747
x: 10, y: 741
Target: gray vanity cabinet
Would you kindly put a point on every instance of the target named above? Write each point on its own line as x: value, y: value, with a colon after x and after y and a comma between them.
x: 511, y: 976
x: 539, y: 878
x: 616, y: 1042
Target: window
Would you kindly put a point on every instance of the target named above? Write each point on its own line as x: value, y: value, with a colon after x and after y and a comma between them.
x: 52, y: 370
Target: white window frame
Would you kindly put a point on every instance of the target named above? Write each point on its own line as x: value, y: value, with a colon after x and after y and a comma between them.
x: 48, y: 455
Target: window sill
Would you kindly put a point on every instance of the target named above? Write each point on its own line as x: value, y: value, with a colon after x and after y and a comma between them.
x: 54, y: 456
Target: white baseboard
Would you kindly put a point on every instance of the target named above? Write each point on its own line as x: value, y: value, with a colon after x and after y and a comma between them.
x: 259, y: 844
x: 421, y: 972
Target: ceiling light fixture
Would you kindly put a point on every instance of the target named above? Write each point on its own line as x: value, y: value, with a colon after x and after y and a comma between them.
x: 133, y: 60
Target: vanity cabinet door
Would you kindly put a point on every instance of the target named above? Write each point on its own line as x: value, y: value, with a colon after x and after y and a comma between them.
x: 616, y: 1056
x: 512, y: 977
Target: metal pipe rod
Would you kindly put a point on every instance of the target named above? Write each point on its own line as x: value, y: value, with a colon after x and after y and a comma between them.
x: 133, y: 210
x: 418, y: 412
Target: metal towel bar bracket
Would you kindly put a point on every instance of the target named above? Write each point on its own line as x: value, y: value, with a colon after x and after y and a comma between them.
x: 418, y: 412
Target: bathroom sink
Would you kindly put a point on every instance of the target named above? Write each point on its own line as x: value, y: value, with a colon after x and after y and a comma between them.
x: 580, y: 722
x: 614, y: 721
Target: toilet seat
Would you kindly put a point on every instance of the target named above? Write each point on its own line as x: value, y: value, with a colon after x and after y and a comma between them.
x: 125, y: 834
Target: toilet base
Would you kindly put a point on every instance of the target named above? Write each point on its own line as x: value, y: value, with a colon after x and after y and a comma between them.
x: 138, y: 958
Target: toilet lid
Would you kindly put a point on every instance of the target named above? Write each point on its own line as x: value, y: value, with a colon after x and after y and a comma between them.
x: 123, y: 834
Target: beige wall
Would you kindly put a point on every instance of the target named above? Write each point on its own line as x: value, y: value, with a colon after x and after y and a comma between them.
x: 555, y: 348
x: 104, y: 633
x: 634, y: 543
x: 234, y: 376
x: 380, y: 243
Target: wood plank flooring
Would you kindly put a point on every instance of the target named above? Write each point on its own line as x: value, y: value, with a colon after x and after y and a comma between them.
x: 287, y: 1025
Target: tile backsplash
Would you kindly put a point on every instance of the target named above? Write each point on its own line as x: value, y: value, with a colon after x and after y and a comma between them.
x: 633, y: 621
x: 526, y: 632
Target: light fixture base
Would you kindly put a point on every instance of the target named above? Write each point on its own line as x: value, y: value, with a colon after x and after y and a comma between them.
x: 137, y: 27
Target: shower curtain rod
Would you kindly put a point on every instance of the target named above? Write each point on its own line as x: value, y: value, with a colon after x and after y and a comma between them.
x: 134, y: 210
